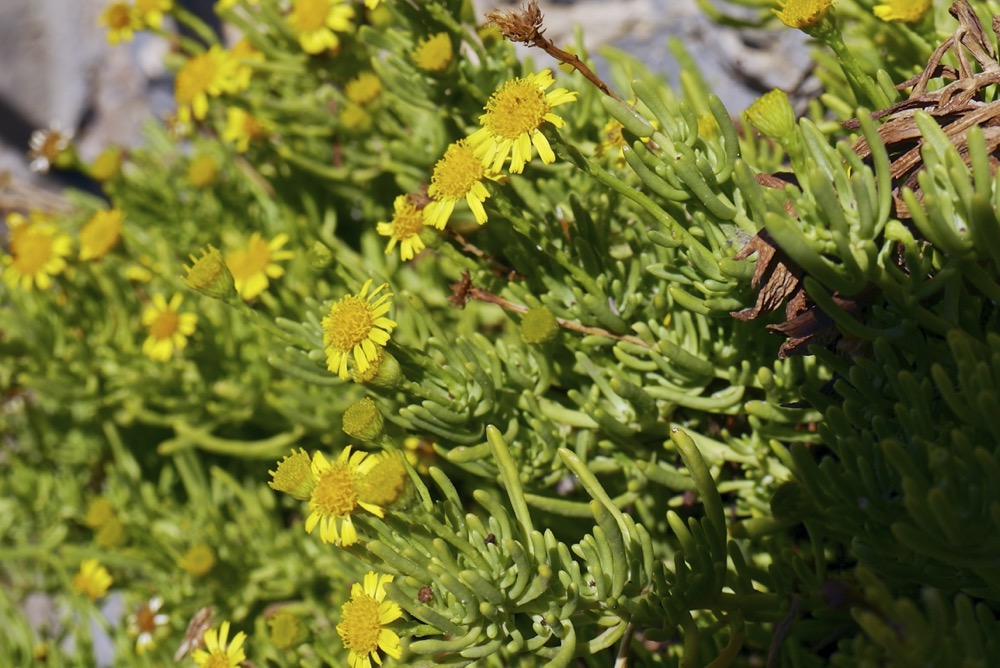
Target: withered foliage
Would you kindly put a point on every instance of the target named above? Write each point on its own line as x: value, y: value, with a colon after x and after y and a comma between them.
x: 957, y: 107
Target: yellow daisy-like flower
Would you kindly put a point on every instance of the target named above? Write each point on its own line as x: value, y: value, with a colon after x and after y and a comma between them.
x: 404, y: 228
x: 93, y: 580
x: 198, y: 559
x: 151, y: 11
x: 903, y: 11
x: 458, y: 175
x: 433, y: 53
x: 335, y: 496
x: 364, y: 620
x: 100, y: 234
x: 244, y: 54
x: 146, y: 623
x: 254, y: 265
x: 37, y: 252
x: 168, y: 328
x: 208, y: 74
x: 514, y: 114
x: 243, y: 128
x: 218, y: 653
x: 356, y: 325
x: 801, y: 13
x: 355, y: 117
x: 363, y: 89
x: 121, y: 20
x: 315, y: 21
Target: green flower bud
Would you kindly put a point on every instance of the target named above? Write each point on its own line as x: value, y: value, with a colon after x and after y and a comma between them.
x: 210, y: 276
x: 539, y: 325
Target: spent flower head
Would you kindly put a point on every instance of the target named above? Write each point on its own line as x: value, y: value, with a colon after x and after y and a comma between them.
x: 294, y: 475
x: 210, y: 276
x: 100, y: 233
x: 514, y: 115
x: 92, y: 580
x: 146, y: 623
x: 36, y: 251
x: 335, y: 496
x: 168, y: 329
x: 356, y: 326
x: 317, y: 22
x: 218, y: 651
x: 50, y: 147
x: 801, y: 14
x: 902, y: 11
x: 364, y: 621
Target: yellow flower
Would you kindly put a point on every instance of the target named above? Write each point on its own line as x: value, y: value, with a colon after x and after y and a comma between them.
x: 315, y: 20
x: 93, y: 580
x: 419, y: 452
x: 613, y: 142
x: 457, y: 175
x: 216, y: 653
x: 433, y: 53
x: 514, y: 114
x: 383, y: 484
x: 121, y: 20
x: 904, y: 11
x: 354, y: 117
x: 198, y: 559
x: 404, y: 228
x: 356, y: 325
x: 100, y: 234
x: 294, y: 475
x: 151, y: 11
x: 168, y: 328
x: 254, y: 265
x: 49, y: 147
x: 107, y: 164
x: 363, y: 89
x: 208, y: 74
x: 146, y: 623
x: 801, y: 13
x: 335, y: 496
x: 372, y: 4
x: 244, y: 54
x: 364, y: 620
x: 99, y: 512
x: 202, y: 171
x: 37, y: 251
x: 242, y: 128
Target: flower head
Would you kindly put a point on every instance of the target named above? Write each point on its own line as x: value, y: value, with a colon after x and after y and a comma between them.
x: 294, y: 475
x: 243, y: 128
x: 93, y: 579
x: 903, y: 11
x: 384, y: 371
x: 208, y: 74
x: 363, y: 420
x: 801, y: 13
x: 219, y: 654
x: 314, y: 21
x: 404, y: 228
x: 514, y: 114
x: 202, y: 170
x: 364, y: 619
x: 151, y: 11
x: 253, y: 266
x: 356, y: 325
x: 286, y: 629
x: 100, y: 234
x: 121, y: 20
x: 48, y: 147
x: 335, y: 496
x: 539, y: 325
x: 197, y: 559
x: 433, y: 53
x: 107, y: 164
x: 773, y: 116
x: 168, y: 328
x: 458, y: 176
x: 244, y: 54
x: 363, y: 89
x: 145, y: 623
x: 355, y: 117
x: 37, y: 252
x: 386, y: 480
x: 210, y: 276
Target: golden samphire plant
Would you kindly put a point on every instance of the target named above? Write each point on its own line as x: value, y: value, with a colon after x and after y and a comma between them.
x: 391, y: 346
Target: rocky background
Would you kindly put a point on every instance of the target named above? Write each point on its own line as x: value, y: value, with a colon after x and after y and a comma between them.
x: 57, y: 67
